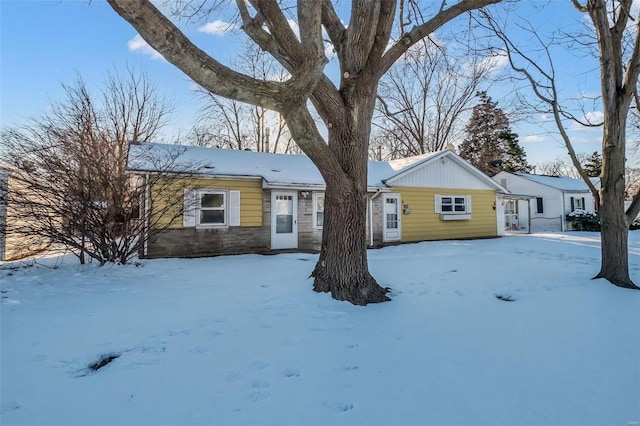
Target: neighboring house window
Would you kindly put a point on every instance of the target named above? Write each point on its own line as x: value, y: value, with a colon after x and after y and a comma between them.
x: 453, y: 204
x: 577, y: 203
x: 318, y: 210
x: 212, y: 207
x: 540, y: 205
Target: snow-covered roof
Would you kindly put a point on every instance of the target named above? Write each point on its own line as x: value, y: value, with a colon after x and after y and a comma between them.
x: 275, y: 169
x: 562, y: 183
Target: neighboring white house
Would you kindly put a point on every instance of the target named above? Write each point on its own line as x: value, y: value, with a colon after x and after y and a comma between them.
x: 539, y: 203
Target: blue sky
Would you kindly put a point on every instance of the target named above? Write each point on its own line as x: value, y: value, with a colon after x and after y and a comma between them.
x: 46, y: 43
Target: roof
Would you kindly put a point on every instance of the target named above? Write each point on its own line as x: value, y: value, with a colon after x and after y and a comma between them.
x: 275, y: 169
x: 562, y: 183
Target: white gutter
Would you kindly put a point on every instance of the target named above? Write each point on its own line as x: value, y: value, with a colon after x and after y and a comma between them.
x: 563, y: 224
x: 378, y: 192
x: 145, y: 233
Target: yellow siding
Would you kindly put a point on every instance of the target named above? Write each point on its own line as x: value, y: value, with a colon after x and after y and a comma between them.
x: 424, y: 224
x: 250, y: 198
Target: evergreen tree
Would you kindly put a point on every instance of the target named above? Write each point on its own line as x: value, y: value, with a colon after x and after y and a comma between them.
x: 490, y: 144
x: 593, y: 165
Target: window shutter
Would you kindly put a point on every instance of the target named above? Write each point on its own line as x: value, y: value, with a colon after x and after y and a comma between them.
x: 584, y: 206
x: 438, y: 202
x: 573, y: 204
x: 234, y: 208
x: 190, y: 207
x: 540, y: 205
x: 468, y: 201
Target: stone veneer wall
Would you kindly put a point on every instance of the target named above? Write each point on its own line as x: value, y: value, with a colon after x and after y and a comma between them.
x: 308, y: 238
x: 193, y: 242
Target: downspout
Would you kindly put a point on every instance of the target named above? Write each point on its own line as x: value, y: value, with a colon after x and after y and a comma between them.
x: 530, y: 214
x: 563, y: 225
x: 378, y: 192
x: 145, y: 233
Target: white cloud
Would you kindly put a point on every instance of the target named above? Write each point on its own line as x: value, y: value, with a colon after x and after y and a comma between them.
x: 495, y: 63
x: 218, y: 27
x: 295, y: 27
x: 533, y: 139
x: 137, y: 44
x: 329, y: 50
x: 594, y: 117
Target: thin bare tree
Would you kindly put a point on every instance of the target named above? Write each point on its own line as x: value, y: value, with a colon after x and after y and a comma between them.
x: 235, y: 125
x: 615, y: 39
x: 69, y: 169
x: 423, y: 97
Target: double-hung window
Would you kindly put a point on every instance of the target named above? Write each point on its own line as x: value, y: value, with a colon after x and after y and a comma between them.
x: 318, y: 210
x: 453, y: 204
x: 453, y: 207
x: 212, y: 207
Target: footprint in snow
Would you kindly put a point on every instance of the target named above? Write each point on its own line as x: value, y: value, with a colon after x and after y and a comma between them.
x: 258, y: 365
x: 339, y: 406
x: 258, y: 396
x: 291, y: 372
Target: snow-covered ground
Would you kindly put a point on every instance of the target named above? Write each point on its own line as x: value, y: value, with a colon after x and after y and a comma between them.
x: 243, y: 340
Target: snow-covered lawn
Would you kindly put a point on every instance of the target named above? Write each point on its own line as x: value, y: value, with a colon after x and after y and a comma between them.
x: 244, y: 340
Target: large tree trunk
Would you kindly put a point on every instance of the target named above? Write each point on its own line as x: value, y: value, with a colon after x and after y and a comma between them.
x: 614, y: 226
x: 344, y: 237
x: 344, y: 234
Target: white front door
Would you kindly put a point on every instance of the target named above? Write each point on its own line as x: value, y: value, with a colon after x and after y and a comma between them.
x: 391, y: 217
x: 284, y: 220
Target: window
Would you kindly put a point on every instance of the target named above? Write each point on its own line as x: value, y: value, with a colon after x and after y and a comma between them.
x: 577, y: 203
x: 453, y: 204
x: 539, y: 205
x: 212, y: 207
x: 453, y: 207
x: 318, y: 210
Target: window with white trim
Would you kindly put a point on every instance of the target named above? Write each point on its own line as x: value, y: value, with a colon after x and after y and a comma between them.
x: 453, y: 204
x: 318, y: 210
x: 212, y: 208
x: 453, y: 207
x: 579, y: 203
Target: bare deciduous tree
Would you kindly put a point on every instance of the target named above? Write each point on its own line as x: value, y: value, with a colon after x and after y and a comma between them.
x: 617, y: 46
x: 69, y: 167
x: 364, y: 54
x: 235, y: 125
x: 424, y: 95
x: 557, y: 167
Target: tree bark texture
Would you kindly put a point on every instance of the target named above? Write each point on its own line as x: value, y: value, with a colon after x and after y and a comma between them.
x: 618, y: 84
x: 613, y: 219
x: 344, y: 230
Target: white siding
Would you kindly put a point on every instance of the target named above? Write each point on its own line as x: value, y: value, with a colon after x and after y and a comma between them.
x: 556, y: 204
x: 442, y: 173
x: 550, y: 219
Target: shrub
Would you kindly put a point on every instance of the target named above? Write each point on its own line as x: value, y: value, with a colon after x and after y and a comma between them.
x: 580, y: 220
